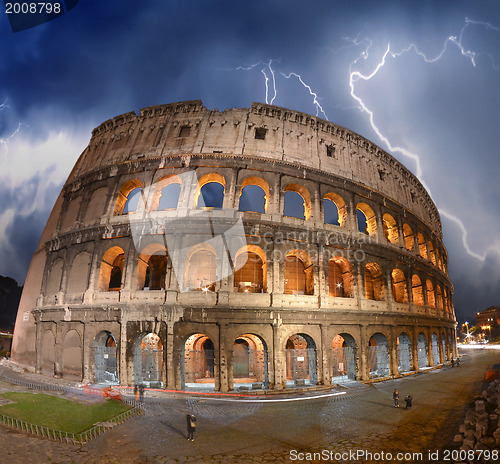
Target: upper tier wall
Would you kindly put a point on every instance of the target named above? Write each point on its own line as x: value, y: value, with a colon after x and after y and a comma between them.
x: 290, y: 136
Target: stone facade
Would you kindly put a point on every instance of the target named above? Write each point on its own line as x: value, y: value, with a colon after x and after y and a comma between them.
x: 248, y: 248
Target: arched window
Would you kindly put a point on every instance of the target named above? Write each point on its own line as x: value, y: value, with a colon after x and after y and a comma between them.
x: 297, y: 202
x: 431, y: 296
x: 367, y: 223
x: 399, y: 290
x: 422, y: 245
x: 390, y: 229
x: 152, y: 267
x: 251, y: 272
x: 374, y: 282
x: 417, y: 290
x: 201, y: 271
x: 340, y: 278
x: 169, y: 197
x: 210, y: 192
x: 439, y: 297
x: 128, y: 197
x: 432, y: 256
x: 253, y: 199
x: 110, y: 274
x: 299, y: 279
x: 334, y: 208
x: 408, y: 236
x: 254, y: 195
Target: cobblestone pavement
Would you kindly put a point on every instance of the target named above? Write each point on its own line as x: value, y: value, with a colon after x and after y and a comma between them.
x: 231, y: 430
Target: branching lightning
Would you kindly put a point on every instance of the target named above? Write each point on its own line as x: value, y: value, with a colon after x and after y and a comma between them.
x: 313, y: 94
x: 355, y: 76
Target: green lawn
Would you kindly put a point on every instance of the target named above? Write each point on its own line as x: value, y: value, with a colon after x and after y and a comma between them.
x: 59, y: 413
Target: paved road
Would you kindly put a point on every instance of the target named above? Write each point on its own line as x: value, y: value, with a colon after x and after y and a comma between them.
x: 364, y: 418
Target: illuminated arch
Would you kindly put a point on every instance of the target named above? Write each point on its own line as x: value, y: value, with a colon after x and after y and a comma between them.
x: 431, y: 296
x: 111, y: 271
x: 390, y: 229
x: 340, y: 280
x: 166, y: 193
x: 250, y: 275
x: 201, y: 268
x: 299, y: 275
x: 422, y: 246
x: 417, y: 290
x: 202, y: 182
x: 370, y: 226
x: 432, y: 255
x: 399, y: 287
x: 374, y: 282
x: 125, y: 195
x: 306, y: 197
x: 339, y: 204
x: 152, y: 267
x: 251, y: 188
x: 408, y: 237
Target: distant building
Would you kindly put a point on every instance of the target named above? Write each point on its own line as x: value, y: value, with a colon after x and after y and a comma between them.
x: 488, y: 321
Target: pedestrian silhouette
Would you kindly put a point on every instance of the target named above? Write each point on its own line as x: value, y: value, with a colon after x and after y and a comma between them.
x: 191, y: 426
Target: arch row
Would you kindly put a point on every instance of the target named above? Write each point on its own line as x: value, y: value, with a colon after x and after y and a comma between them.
x: 241, y: 357
x: 294, y: 273
x: 265, y: 193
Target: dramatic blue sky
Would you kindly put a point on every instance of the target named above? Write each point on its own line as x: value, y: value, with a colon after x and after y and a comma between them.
x: 438, y: 100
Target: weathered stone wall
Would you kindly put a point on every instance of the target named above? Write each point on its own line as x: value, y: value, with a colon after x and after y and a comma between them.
x: 395, y: 274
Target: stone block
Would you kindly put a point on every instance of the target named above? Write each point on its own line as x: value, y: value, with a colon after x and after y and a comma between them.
x: 458, y: 439
x: 469, y: 442
x: 480, y: 406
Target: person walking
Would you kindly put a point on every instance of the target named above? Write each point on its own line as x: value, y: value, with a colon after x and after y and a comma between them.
x: 408, y: 401
x: 452, y: 362
x: 141, y: 393
x: 191, y: 426
x: 395, y: 397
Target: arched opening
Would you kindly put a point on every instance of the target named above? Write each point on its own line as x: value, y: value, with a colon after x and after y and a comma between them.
x: 340, y: 281
x: 128, y: 197
x: 367, y: 223
x: 417, y: 290
x: 72, y: 360
x: 96, y: 205
x: 111, y: 271
x: 432, y: 255
x: 301, y: 366
x: 152, y: 267
x: 422, y: 246
x: 169, y: 197
x: 423, y: 360
x: 198, y: 363
x: 251, y: 271
x: 408, y: 236
x: 211, y: 196
x: 344, y: 358
x: 431, y: 296
x: 439, y: 292
x: 390, y: 229
x: 435, y: 349
x: 404, y: 353
x: 379, y: 355
x: 297, y: 202
x: 148, y: 361
x: 201, y: 271
x: 105, y: 354
x: 254, y: 195
x: 445, y: 352
x: 399, y: 289
x: 250, y: 361
x: 299, y: 278
x: 335, y: 211
x: 79, y: 273
x: 374, y: 282
x: 55, y: 276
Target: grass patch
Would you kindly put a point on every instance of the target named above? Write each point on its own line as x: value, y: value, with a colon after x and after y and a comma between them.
x: 59, y: 413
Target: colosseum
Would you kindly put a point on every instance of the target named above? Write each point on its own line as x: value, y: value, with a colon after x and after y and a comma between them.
x: 253, y: 248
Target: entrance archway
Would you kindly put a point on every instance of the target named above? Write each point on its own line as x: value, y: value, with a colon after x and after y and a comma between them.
x: 379, y: 355
x: 250, y: 362
x: 301, y: 361
x: 148, y: 361
x: 445, y: 353
x: 423, y: 361
x: 105, y: 365
x: 198, y: 363
x: 404, y: 353
x: 435, y: 349
x: 344, y: 357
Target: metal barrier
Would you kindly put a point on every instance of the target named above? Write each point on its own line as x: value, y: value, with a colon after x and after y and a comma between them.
x: 59, y: 435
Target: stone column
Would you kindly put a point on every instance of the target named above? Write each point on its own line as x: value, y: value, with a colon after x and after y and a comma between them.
x: 326, y: 378
x: 394, y: 353
x: 364, y: 355
x: 279, y: 359
x: 414, y: 349
x: 224, y: 359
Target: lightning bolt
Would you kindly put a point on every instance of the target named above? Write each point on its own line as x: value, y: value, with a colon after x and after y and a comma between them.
x: 355, y: 76
x: 5, y: 140
x: 313, y: 94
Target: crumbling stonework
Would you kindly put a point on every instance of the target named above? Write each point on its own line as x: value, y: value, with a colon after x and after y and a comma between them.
x: 338, y: 268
